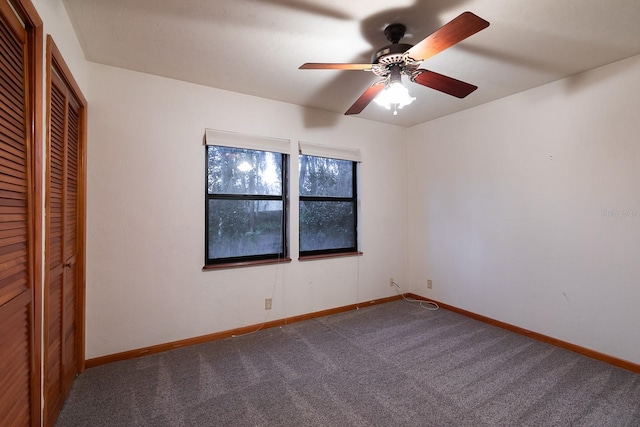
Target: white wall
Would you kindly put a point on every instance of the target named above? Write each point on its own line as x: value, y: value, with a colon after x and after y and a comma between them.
x: 527, y: 209
x: 145, y: 225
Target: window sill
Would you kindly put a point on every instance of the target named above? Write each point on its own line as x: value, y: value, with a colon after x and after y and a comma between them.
x: 325, y: 256
x: 246, y: 264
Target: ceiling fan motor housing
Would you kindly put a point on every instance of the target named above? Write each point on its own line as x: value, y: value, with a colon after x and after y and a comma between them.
x: 392, y: 54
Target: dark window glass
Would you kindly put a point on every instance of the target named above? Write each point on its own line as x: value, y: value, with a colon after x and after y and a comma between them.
x: 239, y: 171
x: 328, y: 205
x: 246, y: 205
x: 240, y: 228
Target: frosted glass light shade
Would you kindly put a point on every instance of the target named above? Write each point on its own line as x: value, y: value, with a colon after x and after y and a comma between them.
x: 396, y: 95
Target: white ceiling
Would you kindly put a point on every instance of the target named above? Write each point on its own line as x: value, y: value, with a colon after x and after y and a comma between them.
x: 256, y: 46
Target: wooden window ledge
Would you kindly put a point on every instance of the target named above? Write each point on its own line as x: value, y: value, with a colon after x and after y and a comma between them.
x: 326, y: 256
x: 245, y: 264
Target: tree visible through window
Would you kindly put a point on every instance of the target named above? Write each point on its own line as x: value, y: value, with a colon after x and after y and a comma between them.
x: 246, y: 205
x: 328, y: 205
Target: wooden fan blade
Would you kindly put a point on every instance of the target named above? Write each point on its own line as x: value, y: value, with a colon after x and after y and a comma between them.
x: 461, y: 27
x: 366, y: 98
x: 445, y: 84
x: 334, y: 66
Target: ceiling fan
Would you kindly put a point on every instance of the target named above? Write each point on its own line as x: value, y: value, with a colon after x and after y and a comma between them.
x: 397, y: 59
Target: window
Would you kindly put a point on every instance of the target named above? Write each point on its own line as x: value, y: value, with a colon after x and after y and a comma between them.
x: 246, y: 205
x: 328, y: 205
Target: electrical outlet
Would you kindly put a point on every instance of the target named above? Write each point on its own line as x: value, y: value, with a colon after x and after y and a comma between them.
x: 391, y: 282
x: 429, y: 284
x: 267, y: 303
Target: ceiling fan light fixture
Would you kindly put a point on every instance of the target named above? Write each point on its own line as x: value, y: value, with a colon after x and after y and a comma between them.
x: 394, y: 95
x: 397, y: 59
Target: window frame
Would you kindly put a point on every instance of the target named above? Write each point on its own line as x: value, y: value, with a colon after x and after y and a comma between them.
x: 239, y: 261
x: 333, y: 252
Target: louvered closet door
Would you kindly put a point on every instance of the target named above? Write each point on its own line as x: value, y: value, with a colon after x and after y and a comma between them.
x: 16, y: 359
x: 62, y: 291
x: 71, y: 224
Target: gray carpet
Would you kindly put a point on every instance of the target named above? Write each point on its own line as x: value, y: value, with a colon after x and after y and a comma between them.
x: 393, y: 364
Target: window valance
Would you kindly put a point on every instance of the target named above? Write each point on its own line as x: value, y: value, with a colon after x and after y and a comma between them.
x: 332, y: 152
x: 249, y: 142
